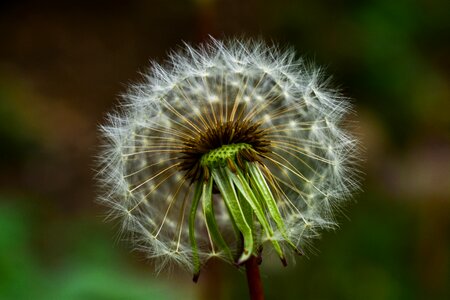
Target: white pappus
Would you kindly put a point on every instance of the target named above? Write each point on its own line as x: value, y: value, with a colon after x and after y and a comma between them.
x: 229, y: 146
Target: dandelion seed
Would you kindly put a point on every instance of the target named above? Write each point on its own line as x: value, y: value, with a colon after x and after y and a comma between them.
x: 233, y: 145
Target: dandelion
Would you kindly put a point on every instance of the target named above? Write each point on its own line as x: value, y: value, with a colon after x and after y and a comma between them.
x: 232, y: 146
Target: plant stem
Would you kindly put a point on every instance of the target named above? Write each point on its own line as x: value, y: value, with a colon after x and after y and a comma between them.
x: 254, y: 279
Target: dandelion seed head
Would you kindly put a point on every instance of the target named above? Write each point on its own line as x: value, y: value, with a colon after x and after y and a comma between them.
x: 227, y: 123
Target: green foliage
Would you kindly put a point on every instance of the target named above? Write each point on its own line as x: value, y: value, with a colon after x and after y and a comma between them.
x: 89, y: 271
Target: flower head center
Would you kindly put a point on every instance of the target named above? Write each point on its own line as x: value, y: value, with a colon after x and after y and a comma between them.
x: 222, y: 143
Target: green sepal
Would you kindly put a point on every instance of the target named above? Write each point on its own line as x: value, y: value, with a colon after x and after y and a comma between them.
x: 229, y: 195
x: 241, y: 183
x: 211, y: 223
x: 192, y: 215
x: 263, y: 189
x: 250, y: 217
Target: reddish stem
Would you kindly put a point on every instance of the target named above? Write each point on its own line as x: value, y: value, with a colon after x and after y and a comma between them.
x: 254, y: 279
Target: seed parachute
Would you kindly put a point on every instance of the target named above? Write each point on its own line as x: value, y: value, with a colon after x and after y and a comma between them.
x: 228, y: 147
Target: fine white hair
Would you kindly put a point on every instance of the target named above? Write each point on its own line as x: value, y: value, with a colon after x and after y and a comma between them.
x: 311, y: 160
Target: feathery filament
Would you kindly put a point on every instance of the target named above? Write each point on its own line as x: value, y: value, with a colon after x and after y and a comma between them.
x: 233, y: 145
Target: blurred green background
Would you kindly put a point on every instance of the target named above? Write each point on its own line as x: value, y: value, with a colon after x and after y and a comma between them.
x: 62, y: 65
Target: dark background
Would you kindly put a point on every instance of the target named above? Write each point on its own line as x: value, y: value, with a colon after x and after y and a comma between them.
x: 63, y: 65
